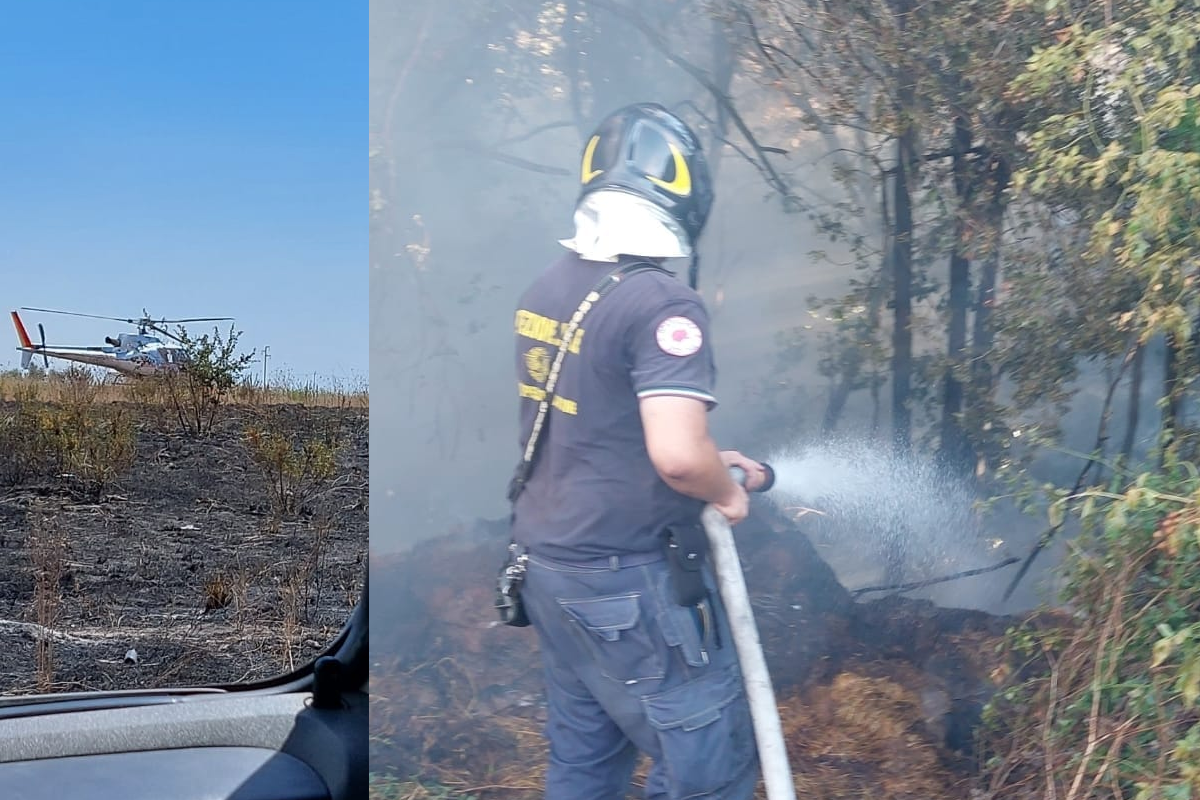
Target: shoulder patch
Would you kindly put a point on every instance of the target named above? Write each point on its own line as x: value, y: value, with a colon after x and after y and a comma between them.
x: 679, y: 336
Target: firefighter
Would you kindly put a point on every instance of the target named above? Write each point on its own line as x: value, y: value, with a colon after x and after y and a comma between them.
x: 636, y: 645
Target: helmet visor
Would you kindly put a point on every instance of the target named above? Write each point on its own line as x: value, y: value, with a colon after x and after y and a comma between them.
x: 651, y: 155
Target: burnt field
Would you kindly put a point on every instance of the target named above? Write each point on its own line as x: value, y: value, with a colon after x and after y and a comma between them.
x: 228, y: 556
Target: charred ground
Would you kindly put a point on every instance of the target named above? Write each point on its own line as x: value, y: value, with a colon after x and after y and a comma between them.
x: 219, y: 558
x: 876, y: 699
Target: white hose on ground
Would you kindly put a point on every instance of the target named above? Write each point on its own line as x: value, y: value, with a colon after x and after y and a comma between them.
x: 768, y: 733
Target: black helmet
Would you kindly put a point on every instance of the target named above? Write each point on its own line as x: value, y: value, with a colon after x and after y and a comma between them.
x: 646, y: 150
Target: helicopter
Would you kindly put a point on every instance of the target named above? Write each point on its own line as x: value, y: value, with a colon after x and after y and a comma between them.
x: 136, y: 355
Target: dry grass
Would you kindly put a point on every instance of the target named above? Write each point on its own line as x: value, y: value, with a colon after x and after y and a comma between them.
x: 48, y: 557
x: 66, y: 386
x: 335, y: 394
x: 857, y: 736
x: 861, y: 736
x: 218, y: 592
x: 511, y: 762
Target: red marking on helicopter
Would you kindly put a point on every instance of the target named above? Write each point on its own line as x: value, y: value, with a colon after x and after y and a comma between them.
x: 21, y: 334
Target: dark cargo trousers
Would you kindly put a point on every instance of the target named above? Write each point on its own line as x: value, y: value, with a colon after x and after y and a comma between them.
x: 627, y: 670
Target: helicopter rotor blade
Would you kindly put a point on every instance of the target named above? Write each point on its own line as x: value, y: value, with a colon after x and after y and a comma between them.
x: 77, y: 314
x: 164, y: 331
x: 146, y: 319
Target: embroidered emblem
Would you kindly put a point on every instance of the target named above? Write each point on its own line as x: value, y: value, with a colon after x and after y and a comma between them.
x: 537, y: 361
x: 679, y: 336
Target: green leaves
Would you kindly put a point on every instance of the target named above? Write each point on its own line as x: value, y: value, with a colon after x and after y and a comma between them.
x: 1167, y: 645
x: 296, y: 468
x: 212, y: 367
x: 1123, y: 671
x: 1188, y: 684
x: 1056, y: 513
x: 1109, y: 189
x: 1185, y: 643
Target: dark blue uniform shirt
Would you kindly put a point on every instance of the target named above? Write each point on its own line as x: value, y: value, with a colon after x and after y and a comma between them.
x: 593, y: 492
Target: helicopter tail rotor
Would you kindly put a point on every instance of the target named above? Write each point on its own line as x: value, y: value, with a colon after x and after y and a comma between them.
x: 42, y: 335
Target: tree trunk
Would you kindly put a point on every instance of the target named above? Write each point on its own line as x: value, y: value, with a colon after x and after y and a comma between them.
x: 902, y: 292
x: 902, y: 245
x: 1135, y: 406
x: 608, y: 64
x: 851, y: 375
x: 836, y: 404
x: 571, y: 65
x: 982, y: 335
x: 847, y: 378
x: 723, y: 47
x: 982, y: 386
x: 1172, y: 393
x: 955, y: 448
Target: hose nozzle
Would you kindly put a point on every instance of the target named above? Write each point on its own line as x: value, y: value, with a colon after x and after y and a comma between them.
x: 739, y: 475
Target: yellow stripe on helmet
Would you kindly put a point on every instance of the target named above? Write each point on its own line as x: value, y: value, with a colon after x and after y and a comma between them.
x: 586, y: 172
x: 682, y: 185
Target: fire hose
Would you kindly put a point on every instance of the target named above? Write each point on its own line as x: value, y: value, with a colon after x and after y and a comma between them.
x: 764, y: 713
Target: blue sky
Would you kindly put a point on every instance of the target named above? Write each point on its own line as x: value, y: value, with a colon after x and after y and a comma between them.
x: 193, y: 159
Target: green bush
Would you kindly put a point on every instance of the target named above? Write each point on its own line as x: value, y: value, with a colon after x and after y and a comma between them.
x: 1103, y: 701
x: 213, y: 368
x: 82, y: 446
x: 296, y: 468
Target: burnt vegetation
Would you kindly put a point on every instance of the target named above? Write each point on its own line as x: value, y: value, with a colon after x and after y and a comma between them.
x: 871, y: 695
x: 180, y: 531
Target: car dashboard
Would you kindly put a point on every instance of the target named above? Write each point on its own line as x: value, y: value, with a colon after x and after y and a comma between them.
x: 203, y: 746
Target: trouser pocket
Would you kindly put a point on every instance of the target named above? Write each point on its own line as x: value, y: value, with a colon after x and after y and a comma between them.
x: 682, y: 627
x: 613, y: 630
x: 705, y: 732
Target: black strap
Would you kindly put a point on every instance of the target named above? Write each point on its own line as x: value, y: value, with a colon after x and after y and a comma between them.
x: 542, y: 420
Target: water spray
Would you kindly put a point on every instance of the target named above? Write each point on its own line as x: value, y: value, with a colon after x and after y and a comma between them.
x: 919, y: 518
x: 764, y: 713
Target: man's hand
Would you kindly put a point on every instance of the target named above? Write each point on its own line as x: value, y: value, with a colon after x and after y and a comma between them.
x: 756, y: 476
x: 737, y: 508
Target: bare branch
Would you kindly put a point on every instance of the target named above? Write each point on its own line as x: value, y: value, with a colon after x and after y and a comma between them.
x: 931, y: 581
x: 549, y: 126
x: 571, y: 54
x: 402, y: 75
x: 517, y: 161
x: 497, y: 155
x: 725, y: 140
x: 1098, y: 450
x: 393, y: 98
x: 656, y: 40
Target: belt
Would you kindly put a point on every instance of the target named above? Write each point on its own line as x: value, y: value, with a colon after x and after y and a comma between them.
x: 613, y: 562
